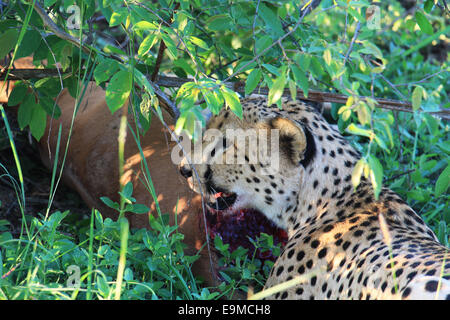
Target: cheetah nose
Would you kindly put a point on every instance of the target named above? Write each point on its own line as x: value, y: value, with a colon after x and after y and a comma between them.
x: 185, y: 172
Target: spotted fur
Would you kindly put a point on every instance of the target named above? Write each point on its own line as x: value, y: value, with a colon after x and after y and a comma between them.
x: 335, y: 239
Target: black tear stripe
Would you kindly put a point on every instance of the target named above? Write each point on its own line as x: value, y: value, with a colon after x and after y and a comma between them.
x: 208, y: 179
x: 310, y: 151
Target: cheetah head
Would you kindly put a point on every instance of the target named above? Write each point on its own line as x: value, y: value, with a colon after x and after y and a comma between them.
x: 257, y: 162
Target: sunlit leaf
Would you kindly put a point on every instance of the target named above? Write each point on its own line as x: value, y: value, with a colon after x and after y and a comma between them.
x: 423, y: 22
x: 376, y: 175
x: 253, y: 80
x: 276, y: 91
x: 232, y: 101
x: 118, y: 90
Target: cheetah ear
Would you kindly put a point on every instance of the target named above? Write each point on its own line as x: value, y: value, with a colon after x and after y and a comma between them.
x: 295, y: 140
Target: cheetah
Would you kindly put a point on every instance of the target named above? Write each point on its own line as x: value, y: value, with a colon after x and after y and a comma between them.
x: 335, y: 232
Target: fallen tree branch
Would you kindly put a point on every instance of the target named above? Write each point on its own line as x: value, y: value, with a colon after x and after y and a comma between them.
x: 239, y: 86
x: 313, y: 95
x: 25, y: 74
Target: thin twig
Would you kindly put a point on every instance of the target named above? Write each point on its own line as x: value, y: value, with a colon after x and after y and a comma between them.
x: 162, y: 48
x: 56, y: 30
x: 180, y: 38
x: 271, y: 46
x: 350, y: 48
x: 421, y: 80
x: 399, y: 175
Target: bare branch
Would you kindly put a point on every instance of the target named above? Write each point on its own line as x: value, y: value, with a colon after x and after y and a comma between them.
x: 56, y: 30
x: 162, y: 48
x: 350, y: 48
x: 25, y: 74
x: 313, y: 95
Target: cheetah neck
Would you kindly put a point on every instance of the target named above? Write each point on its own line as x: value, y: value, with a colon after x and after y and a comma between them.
x: 325, y: 182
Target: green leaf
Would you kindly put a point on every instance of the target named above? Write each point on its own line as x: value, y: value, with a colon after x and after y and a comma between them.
x: 442, y: 233
x: 171, y: 46
x: 17, y: 94
x: 352, y: 128
x: 276, y: 91
x: 189, y: 126
x: 376, y: 175
x: 410, y: 25
x: 213, y: 99
x: 145, y: 26
x: 428, y: 6
x: 138, y: 208
x: 423, y: 23
x: 363, y: 113
x: 219, y: 23
x: 127, y: 190
x: 303, y: 61
x: 104, y: 70
x: 417, y: 97
x: 102, y: 286
x: 49, y: 3
x: 38, y: 122
x: 370, y: 48
x: 252, y: 81
x: 118, y: 17
x: 8, y: 41
x: 357, y: 172
x: 180, y: 123
x: 316, y: 67
x: 118, y: 90
x: 327, y: 56
x: 148, y: 42
x: 292, y: 89
x: 300, y: 79
x: 182, y: 63
x: 356, y: 14
x: 417, y: 195
x: 443, y: 182
x: 29, y: 44
x: 262, y: 43
x: 50, y: 107
x: 199, y: 42
x: 110, y: 203
x: 271, y: 20
x: 232, y: 101
x: 272, y: 69
x: 381, y: 143
x: 25, y: 111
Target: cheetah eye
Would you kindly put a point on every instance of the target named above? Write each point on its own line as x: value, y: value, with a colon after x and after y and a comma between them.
x: 217, y: 148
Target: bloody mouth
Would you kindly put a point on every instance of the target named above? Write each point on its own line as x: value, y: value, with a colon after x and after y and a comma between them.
x: 236, y: 226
